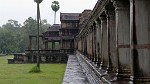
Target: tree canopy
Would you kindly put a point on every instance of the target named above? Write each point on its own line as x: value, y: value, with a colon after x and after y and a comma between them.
x: 55, y: 6
x: 38, y: 0
x: 14, y: 37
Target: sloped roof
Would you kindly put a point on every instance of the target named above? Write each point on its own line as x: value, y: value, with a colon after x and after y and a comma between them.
x: 69, y: 16
x: 54, y: 27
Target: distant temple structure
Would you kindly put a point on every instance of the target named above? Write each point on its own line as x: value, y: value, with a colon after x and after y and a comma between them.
x: 69, y: 30
x: 56, y: 42
x: 52, y: 35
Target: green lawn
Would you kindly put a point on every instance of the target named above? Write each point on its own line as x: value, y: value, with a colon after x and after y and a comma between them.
x: 19, y: 73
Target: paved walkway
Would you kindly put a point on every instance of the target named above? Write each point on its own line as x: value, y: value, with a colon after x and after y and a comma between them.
x: 74, y: 73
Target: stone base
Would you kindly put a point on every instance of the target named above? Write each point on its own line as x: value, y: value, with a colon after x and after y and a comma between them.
x: 104, y: 67
x: 140, y: 79
x: 123, y: 77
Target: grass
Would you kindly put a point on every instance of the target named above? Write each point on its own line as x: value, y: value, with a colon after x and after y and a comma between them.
x: 19, y: 73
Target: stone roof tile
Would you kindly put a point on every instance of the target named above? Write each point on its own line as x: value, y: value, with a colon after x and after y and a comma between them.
x: 54, y: 27
x: 69, y: 16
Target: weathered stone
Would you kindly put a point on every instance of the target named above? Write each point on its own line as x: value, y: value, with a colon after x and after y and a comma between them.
x: 140, y: 41
x: 104, y: 40
x: 74, y: 73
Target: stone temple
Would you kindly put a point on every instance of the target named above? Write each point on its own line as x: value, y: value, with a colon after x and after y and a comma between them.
x: 111, y: 42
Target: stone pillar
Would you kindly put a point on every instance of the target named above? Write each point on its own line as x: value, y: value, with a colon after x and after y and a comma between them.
x: 93, y: 56
x: 36, y: 42
x: 104, y: 41
x: 30, y: 43
x: 140, y: 40
x: 78, y: 40
x: 85, y: 44
x: 46, y: 45
x: 94, y: 43
x: 111, y: 26
x: 98, y: 41
x: 82, y: 44
x: 61, y: 42
x: 43, y: 43
x: 88, y: 44
x: 79, y: 44
x: 123, y: 38
x: 75, y: 44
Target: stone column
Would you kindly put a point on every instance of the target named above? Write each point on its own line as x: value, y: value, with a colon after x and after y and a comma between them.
x: 140, y: 40
x: 123, y: 38
x: 75, y: 44
x: 79, y: 44
x: 59, y: 45
x: 94, y: 43
x: 85, y: 44
x: 30, y: 43
x: 88, y: 43
x: 93, y: 54
x: 46, y: 45
x: 111, y: 26
x: 61, y: 42
x: 43, y: 43
x: 104, y: 41
x: 36, y: 41
x: 98, y: 41
x: 82, y: 44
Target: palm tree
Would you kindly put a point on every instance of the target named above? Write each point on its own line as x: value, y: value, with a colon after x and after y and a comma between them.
x: 55, y: 7
x: 38, y: 1
x: 38, y: 19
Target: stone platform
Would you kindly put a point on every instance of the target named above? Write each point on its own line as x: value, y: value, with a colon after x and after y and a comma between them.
x: 74, y: 73
x: 80, y: 70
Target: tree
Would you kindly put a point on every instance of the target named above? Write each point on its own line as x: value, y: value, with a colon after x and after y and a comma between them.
x: 55, y: 7
x: 14, y: 38
x: 9, y: 37
x: 38, y: 25
x: 38, y: 1
x: 30, y: 26
x: 7, y: 43
x: 44, y: 26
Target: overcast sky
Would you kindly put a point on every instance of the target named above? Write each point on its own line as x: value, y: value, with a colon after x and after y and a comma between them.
x: 20, y: 10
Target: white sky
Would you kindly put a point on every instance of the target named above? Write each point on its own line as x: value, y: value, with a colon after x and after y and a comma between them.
x: 20, y: 10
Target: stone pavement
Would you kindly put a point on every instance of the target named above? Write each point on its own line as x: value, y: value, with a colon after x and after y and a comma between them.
x: 74, y: 73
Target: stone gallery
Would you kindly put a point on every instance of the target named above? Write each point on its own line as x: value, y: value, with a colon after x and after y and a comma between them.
x: 113, y: 39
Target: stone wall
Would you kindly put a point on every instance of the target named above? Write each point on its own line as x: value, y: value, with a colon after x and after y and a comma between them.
x: 117, y: 38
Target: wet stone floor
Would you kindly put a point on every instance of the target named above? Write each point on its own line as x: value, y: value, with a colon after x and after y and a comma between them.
x: 74, y: 73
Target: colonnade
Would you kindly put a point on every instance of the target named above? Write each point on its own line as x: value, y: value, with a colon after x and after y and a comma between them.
x: 33, y: 42
x: 117, y: 38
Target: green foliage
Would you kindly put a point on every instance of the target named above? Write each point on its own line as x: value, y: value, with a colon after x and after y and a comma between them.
x: 35, y: 69
x: 55, y: 6
x: 38, y: 0
x: 14, y: 37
